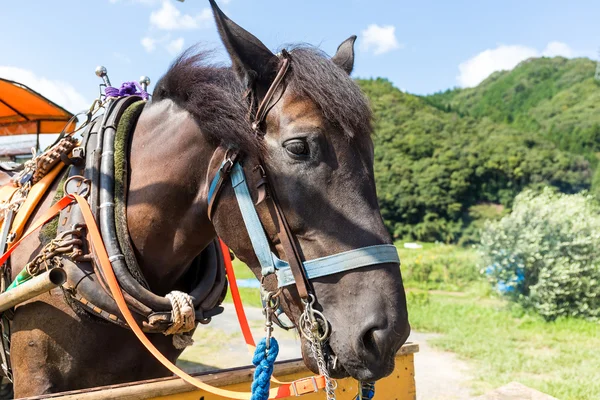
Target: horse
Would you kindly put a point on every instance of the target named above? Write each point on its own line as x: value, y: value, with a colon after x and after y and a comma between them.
x: 315, y: 145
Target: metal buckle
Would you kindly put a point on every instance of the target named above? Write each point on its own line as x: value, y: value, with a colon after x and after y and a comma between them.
x: 83, y: 185
x: 227, y: 165
x: 305, y: 389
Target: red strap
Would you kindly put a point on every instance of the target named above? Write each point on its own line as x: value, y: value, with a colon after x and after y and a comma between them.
x: 239, y: 308
x: 235, y: 295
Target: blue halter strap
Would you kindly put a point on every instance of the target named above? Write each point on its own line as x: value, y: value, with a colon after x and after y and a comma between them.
x: 270, y: 263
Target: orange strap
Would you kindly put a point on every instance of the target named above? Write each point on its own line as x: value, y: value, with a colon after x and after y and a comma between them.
x: 298, y: 387
x: 34, y: 197
x: 45, y: 217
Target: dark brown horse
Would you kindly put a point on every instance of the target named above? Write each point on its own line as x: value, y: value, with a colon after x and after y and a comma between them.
x: 319, y: 154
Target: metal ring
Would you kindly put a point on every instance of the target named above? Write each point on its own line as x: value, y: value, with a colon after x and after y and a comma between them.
x: 273, y: 300
x: 85, y: 186
x: 310, y: 301
x: 305, y: 323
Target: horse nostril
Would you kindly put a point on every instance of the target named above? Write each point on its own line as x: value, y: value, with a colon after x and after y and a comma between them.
x: 369, y: 342
x: 373, y: 338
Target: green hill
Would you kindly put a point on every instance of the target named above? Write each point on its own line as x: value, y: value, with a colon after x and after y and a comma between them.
x: 555, y: 97
x: 438, y: 171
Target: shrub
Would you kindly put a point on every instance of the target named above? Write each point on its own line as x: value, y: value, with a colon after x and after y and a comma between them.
x: 439, y: 266
x: 545, y: 253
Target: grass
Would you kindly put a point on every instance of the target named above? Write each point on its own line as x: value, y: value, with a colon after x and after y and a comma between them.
x: 502, y: 341
x: 250, y: 296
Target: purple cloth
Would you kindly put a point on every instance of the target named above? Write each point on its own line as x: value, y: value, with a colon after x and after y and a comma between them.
x: 126, y: 89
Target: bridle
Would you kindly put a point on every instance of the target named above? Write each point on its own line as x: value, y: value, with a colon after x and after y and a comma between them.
x: 295, y: 270
x: 312, y: 324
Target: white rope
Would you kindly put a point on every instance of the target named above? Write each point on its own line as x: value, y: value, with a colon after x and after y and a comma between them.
x: 183, y: 317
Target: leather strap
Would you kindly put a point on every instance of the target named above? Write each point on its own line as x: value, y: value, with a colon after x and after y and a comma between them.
x: 291, y: 250
x: 340, y: 262
x: 254, y: 227
x: 295, y: 270
x: 265, y: 105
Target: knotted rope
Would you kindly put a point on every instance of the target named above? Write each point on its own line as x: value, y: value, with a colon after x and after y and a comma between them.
x: 183, y: 317
x: 126, y: 89
x: 263, y: 360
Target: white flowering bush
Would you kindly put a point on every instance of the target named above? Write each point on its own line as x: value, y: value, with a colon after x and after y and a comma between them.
x: 546, y: 253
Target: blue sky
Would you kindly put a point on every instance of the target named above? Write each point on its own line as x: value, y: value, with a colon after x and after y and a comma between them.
x: 421, y: 46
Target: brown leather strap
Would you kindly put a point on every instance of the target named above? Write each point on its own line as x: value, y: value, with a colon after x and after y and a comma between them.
x: 289, y: 247
x: 265, y: 105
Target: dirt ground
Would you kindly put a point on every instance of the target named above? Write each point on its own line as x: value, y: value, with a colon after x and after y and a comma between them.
x: 439, y: 375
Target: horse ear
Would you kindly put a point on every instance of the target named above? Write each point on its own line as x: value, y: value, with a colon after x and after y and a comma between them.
x: 252, y: 61
x: 344, y: 57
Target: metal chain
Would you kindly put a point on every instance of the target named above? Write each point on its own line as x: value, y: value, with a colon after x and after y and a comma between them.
x: 310, y: 329
x: 46, y: 259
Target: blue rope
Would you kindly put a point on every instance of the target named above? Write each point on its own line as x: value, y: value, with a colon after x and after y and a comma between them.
x: 264, y: 368
x: 366, y: 391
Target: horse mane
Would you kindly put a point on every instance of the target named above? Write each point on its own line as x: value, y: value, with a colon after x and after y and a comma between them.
x: 315, y: 76
x: 215, y: 97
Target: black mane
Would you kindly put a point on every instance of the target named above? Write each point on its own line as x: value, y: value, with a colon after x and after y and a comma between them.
x: 215, y: 97
x: 314, y: 75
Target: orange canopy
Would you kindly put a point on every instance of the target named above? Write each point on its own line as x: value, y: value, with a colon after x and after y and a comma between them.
x: 24, y: 111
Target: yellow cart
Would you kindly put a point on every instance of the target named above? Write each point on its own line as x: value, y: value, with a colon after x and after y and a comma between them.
x: 400, y: 385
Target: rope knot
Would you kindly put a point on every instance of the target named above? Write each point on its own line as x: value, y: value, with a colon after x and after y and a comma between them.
x: 263, y: 360
x: 183, y: 318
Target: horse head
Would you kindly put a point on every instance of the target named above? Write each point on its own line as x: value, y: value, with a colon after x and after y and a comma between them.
x: 313, y: 127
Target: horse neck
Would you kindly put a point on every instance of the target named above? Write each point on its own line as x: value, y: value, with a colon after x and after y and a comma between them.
x: 166, y: 203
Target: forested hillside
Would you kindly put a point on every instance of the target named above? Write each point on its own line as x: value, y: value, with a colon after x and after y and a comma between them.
x: 439, y: 170
x: 555, y: 97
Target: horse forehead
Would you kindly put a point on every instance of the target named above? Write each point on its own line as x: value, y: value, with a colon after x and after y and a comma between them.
x: 300, y: 110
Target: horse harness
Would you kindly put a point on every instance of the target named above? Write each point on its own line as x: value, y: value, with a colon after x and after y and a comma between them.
x: 91, y: 174
x: 93, y: 177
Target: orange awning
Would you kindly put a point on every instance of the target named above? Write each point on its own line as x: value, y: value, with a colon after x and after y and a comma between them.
x: 24, y: 111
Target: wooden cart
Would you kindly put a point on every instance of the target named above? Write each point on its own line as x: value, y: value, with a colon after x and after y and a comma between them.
x: 400, y: 385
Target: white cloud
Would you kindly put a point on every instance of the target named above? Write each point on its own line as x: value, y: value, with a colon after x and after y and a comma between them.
x: 175, y: 46
x: 149, y: 44
x: 380, y: 39
x: 503, y: 57
x: 59, y: 92
x: 169, y: 18
x: 554, y: 49
x: 483, y: 64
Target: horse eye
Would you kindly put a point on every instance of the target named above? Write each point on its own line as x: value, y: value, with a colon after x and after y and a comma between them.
x: 297, y: 147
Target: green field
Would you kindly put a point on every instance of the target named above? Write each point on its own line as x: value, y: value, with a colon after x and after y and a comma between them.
x: 504, y: 343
